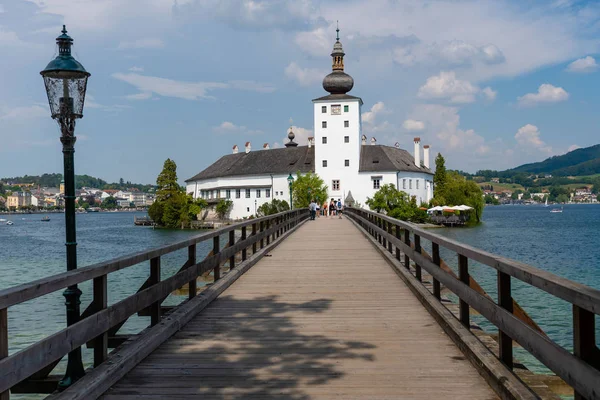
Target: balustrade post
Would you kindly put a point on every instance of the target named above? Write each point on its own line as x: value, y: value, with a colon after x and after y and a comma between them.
x: 384, y: 227
x: 505, y: 349
x: 418, y: 250
x: 379, y: 225
x: 216, y: 251
x: 254, y: 234
x: 406, y: 242
x: 245, y: 249
x: 389, y: 231
x: 399, y: 237
x: 584, y: 339
x: 154, y: 280
x: 463, y: 275
x: 100, y: 302
x: 262, y: 229
x: 192, y: 285
x: 4, y: 344
x: 435, y: 250
x: 231, y: 244
x: 268, y: 223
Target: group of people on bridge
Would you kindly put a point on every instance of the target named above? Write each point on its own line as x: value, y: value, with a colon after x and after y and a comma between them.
x: 331, y: 209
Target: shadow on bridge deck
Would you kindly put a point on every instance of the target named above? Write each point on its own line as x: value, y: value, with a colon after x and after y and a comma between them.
x: 322, y: 317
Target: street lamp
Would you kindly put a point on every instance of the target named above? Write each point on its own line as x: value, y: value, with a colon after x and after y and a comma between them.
x: 290, y: 183
x: 66, y: 82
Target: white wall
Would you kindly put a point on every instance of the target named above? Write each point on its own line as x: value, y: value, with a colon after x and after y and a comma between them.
x: 243, y: 206
x: 408, y: 182
x: 336, y: 151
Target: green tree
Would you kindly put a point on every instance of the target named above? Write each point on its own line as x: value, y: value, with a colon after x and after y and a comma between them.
x: 274, y: 207
x: 457, y: 191
x: 562, y: 198
x: 121, y: 182
x: 595, y: 188
x: 439, y: 178
x: 396, y: 204
x: 301, y: 186
x: 167, y: 181
x: 223, y: 208
x: 109, y: 203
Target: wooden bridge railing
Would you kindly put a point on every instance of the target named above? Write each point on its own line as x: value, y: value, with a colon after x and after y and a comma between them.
x: 580, y: 369
x: 99, y: 321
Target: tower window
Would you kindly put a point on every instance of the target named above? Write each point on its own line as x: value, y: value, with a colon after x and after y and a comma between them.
x: 324, y: 139
x: 346, y: 108
x: 324, y: 124
x: 335, y: 184
x: 346, y: 163
x: 324, y: 109
x: 228, y: 194
x: 258, y: 193
x: 267, y: 192
x: 346, y: 124
x: 238, y: 193
x: 247, y: 193
x: 346, y: 139
x: 324, y: 163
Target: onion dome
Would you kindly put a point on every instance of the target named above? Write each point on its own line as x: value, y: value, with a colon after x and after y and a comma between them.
x: 338, y: 82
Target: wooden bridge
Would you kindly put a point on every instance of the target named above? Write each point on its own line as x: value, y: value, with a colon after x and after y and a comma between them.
x: 334, y: 308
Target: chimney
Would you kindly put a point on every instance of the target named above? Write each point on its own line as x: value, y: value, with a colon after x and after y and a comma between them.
x: 266, y: 146
x: 248, y: 147
x: 311, y: 141
x: 235, y: 149
x: 364, y: 139
x: 373, y: 141
x: 426, y: 155
x: 418, y: 152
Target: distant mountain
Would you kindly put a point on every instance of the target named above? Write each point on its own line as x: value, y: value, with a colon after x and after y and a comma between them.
x: 585, y: 161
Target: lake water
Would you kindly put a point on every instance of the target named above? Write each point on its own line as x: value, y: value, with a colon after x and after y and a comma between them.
x: 566, y: 244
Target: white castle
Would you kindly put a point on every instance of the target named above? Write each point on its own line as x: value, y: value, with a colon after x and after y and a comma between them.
x: 338, y: 153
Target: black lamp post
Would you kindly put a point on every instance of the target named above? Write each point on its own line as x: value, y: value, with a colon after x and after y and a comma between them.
x: 290, y: 183
x: 66, y: 83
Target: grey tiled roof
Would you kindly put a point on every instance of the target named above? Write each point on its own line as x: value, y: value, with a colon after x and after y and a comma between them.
x: 379, y: 158
x: 339, y: 97
x: 262, y: 162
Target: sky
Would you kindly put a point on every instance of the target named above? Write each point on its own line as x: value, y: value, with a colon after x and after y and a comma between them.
x: 490, y: 84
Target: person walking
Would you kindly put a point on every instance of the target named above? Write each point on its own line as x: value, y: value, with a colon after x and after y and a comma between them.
x: 332, y: 208
x: 339, y: 208
x: 324, y: 209
x: 313, y: 209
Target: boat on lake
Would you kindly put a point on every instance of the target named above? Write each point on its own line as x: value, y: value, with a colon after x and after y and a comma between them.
x: 9, y: 223
x: 45, y: 218
x: 556, y: 210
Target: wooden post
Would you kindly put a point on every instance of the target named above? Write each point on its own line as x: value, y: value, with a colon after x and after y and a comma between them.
x: 269, y: 235
x: 383, y: 225
x: 216, y: 251
x: 418, y: 250
x: 435, y: 249
x: 100, y: 301
x: 193, y: 286
x: 379, y: 223
x: 399, y: 237
x: 463, y: 275
x: 389, y: 230
x: 254, y: 234
x: 231, y: 243
x: 262, y: 229
x: 244, y: 250
x: 584, y: 338
x: 4, y: 344
x: 505, y: 301
x: 407, y: 242
x: 154, y: 279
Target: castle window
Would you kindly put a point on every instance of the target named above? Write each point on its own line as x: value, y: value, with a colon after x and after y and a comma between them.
x: 324, y: 139
x: 228, y: 194
x: 410, y: 183
x: 324, y: 124
x: 324, y: 109
x: 267, y: 193
x: 247, y: 193
x: 258, y: 193
x: 346, y: 124
x: 324, y: 163
x: 335, y: 184
x: 403, y: 183
x: 346, y: 108
x: 346, y: 139
x: 238, y: 193
x: 417, y: 183
x: 346, y: 163
x: 376, y: 183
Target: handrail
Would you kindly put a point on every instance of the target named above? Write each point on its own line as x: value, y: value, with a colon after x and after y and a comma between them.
x: 581, y: 370
x: 96, y: 322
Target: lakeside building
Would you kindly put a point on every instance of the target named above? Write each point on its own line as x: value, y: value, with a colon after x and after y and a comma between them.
x: 18, y: 200
x: 338, y: 153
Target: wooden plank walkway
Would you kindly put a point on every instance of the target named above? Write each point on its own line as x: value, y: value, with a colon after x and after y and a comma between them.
x: 322, y: 317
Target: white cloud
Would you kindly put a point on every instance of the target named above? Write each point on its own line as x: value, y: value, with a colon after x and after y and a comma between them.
x: 184, y: 90
x: 412, y: 125
x: 586, y: 64
x: 147, y: 43
x: 378, y: 108
x: 29, y: 112
x: 304, y: 76
x: 446, y: 86
x: 136, y: 69
x: 228, y: 127
x: 573, y: 147
x: 139, y: 96
x: 1, y: 9
x: 317, y: 42
x: 529, y: 136
x: 489, y: 93
x: 546, y: 93
x: 459, y: 52
x: 301, y: 135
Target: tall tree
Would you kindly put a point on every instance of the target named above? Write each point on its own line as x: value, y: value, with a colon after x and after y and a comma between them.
x: 306, y: 187
x: 439, y: 179
x: 167, y: 181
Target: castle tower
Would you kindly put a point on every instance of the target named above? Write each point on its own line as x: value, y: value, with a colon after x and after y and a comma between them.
x: 337, y: 126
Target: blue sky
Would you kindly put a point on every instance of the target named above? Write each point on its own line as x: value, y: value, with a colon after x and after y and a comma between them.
x: 489, y: 84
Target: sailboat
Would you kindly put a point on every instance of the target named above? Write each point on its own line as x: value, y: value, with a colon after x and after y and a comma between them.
x: 546, y: 204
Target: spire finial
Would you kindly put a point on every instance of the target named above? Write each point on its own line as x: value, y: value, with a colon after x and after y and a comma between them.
x: 64, y: 29
x: 337, y: 30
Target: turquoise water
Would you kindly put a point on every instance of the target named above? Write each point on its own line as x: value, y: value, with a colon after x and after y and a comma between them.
x: 566, y: 244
